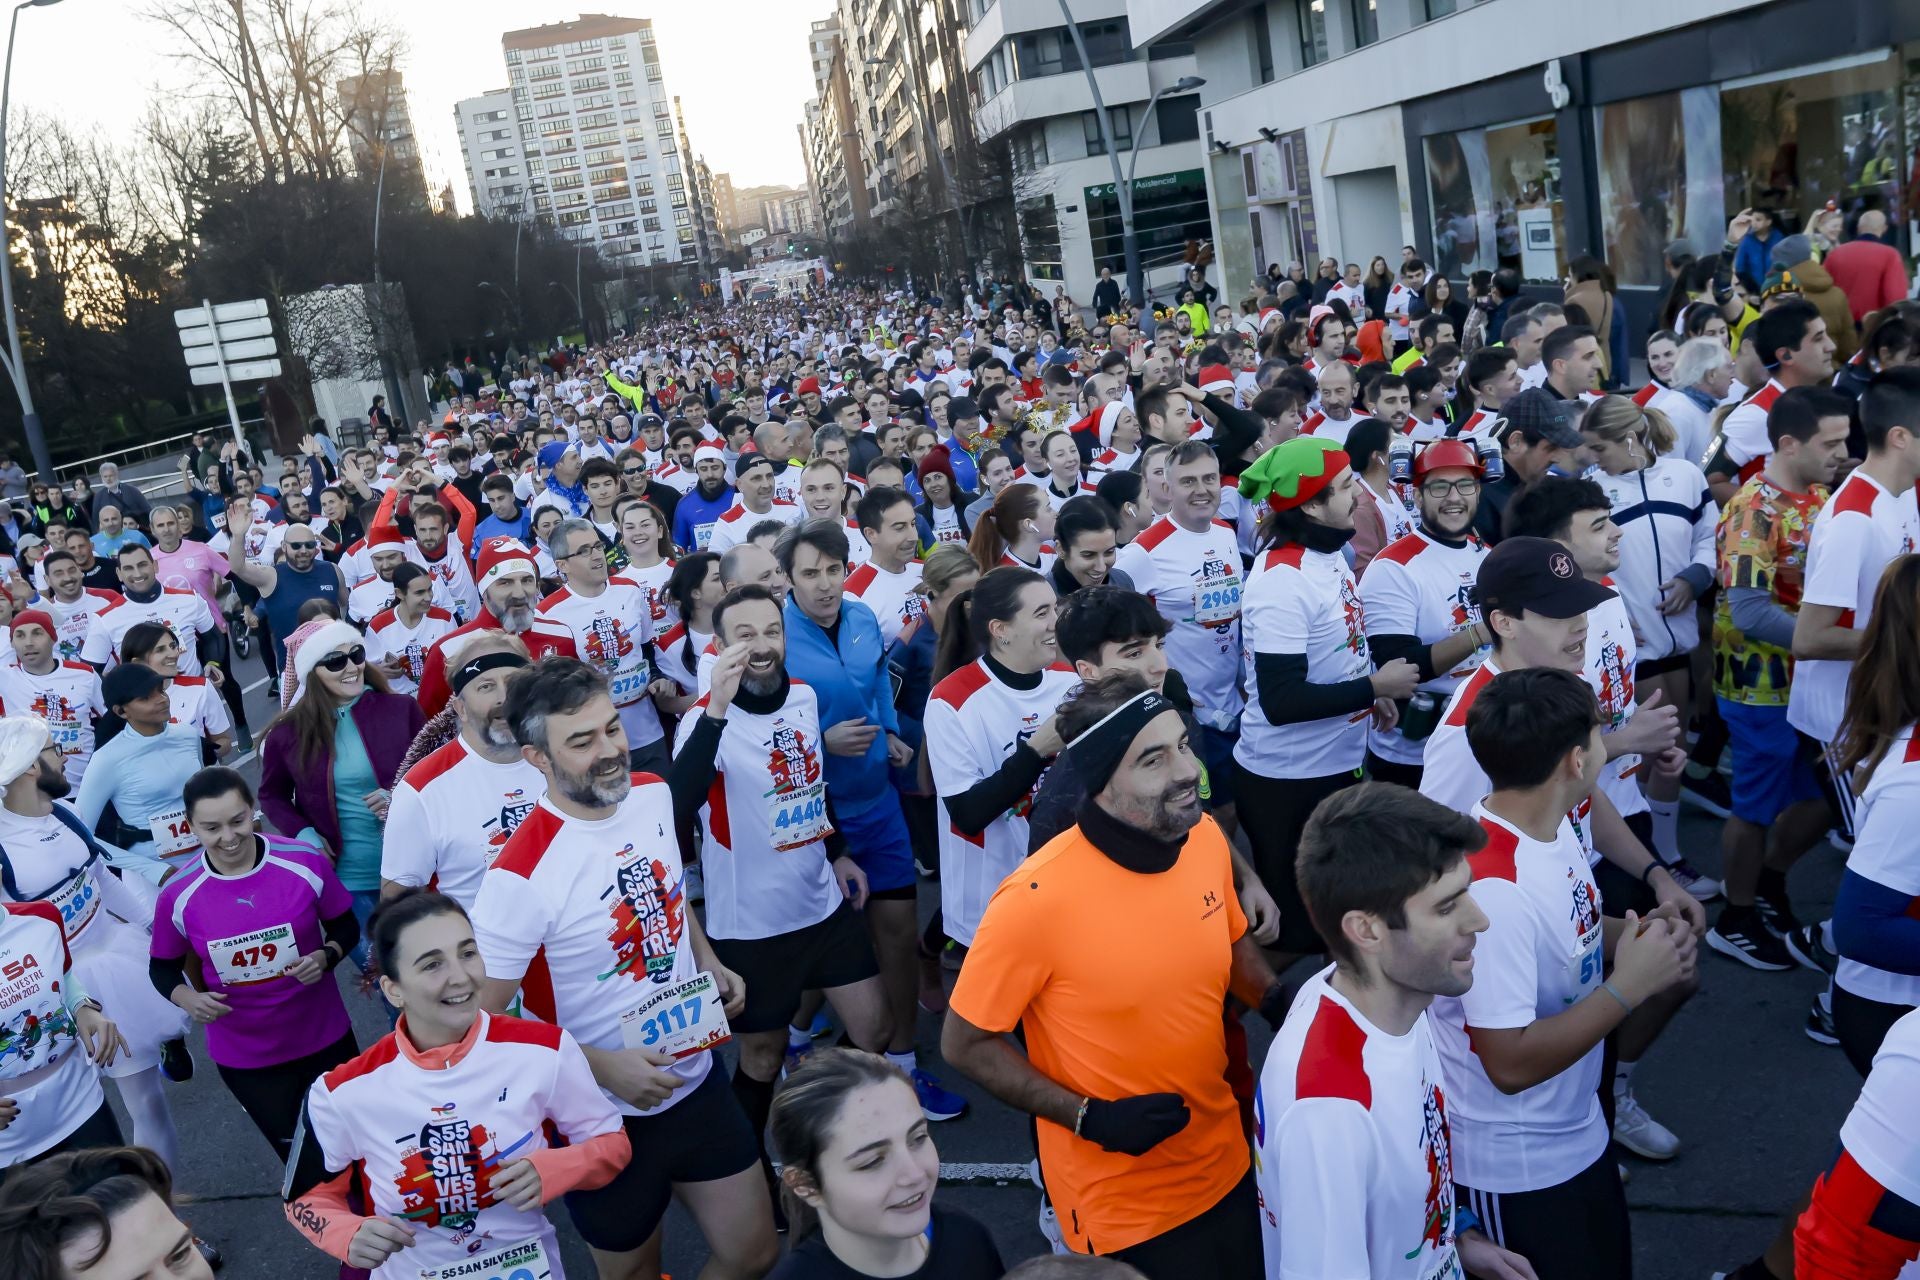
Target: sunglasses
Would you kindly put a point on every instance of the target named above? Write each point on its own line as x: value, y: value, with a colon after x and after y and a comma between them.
x: 300, y: 546
x: 633, y: 471
x: 337, y: 662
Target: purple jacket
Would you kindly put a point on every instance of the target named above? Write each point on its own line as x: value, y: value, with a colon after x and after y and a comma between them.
x: 295, y: 795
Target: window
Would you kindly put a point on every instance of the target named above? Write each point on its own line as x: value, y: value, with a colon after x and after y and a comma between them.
x: 1262, y: 46
x: 1366, y: 22
x: 1052, y: 52
x: 1495, y: 198
x: 1168, y: 210
x: 1119, y: 119
x: 1313, y: 32
x: 1030, y: 147
x: 1170, y: 49
x: 1178, y: 118
x: 1437, y: 9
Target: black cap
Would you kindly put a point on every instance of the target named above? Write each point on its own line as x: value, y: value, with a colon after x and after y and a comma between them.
x: 1540, y: 413
x: 129, y: 682
x: 1535, y: 575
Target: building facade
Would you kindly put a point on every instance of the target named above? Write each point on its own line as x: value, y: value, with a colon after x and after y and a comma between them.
x: 836, y: 166
x: 1341, y: 128
x: 604, y: 153
x: 490, y: 151
x: 1031, y: 92
x: 379, y: 133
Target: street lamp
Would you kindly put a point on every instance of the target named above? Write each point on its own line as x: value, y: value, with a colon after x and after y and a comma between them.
x: 14, y: 360
x: 1122, y: 186
x: 575, y: 298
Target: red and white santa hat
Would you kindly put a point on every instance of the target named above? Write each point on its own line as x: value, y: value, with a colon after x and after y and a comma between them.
x: 1216, y: 379
x: 385, y: 535
x: 709, y: 453
x: 502, y: 558
x: 1109, y: 419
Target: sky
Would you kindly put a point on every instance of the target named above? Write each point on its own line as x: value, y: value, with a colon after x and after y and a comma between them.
x: 741, y: 69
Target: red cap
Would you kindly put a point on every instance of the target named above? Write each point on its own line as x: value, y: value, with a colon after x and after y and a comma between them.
x: 37, y: 618
x: 808, y: 386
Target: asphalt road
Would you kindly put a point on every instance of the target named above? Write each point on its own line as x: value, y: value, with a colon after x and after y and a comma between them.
x: 1756, y: 1103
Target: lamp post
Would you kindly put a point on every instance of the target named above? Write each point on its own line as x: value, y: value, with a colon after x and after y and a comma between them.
x: 1122, y: 186
x: 15, y: 360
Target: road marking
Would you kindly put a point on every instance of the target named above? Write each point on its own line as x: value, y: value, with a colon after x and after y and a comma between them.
x: 261, y: 683
x: 956, y: 1174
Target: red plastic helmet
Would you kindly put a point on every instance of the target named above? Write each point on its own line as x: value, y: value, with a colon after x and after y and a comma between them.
x: 1442, y: 454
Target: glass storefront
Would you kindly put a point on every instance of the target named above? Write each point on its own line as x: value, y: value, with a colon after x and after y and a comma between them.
x: 1168, y: 210
x: 1495, y: 198
x: 1661, y: 180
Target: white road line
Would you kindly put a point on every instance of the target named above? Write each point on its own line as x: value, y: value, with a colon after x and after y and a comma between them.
x: 261, y: 683
x: 983, y: 1174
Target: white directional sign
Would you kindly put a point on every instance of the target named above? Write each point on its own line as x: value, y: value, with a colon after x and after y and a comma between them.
x: 229, y: 341
x: 209, y: 376
x: 201, y: 336
x: 252, y: 309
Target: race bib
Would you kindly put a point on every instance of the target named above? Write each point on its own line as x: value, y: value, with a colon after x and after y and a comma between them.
x: 253, y: 957
x: 680, y: 1019
x: 799, y: 817
x: 171, y: 835
x: 702, y: 535
x: 631, y: 686
x: 515, y: 1262
x: 76, y: 900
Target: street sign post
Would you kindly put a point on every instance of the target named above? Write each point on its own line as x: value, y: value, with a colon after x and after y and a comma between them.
x: 228, y: 341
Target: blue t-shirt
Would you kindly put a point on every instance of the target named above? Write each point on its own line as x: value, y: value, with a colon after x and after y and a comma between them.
x: 282, y: 608
x: 492, y: 526
x: 694, y: 518
x: 107, y: 546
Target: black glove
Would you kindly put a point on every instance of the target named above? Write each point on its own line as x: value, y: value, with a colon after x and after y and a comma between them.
x: 1134, y: 1126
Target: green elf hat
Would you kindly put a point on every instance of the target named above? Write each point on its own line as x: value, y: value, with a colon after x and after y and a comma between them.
x: 1293, y: 472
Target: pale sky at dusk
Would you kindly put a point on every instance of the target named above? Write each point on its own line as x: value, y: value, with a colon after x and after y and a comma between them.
x: 740, y: 68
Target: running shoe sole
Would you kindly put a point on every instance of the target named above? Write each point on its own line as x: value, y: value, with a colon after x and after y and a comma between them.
x: 1809, y: 957
x: 1703, y: 802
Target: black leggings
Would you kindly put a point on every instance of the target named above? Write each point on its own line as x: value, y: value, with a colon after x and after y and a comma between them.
x: 98, y: 1130
x: 1861, y: 1024
x: 1577, y: 1230
x: 1222, y: 1244
x: 271, y: 1096
x: 1273, y: 813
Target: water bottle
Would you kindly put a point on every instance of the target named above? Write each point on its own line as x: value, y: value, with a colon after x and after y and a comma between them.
x: 1421, y: 717
x: 1400, y: 460
x: 1493, y: 465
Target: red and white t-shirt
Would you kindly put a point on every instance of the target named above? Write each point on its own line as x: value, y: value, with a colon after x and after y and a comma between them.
x: 892, y: 597
x: 427, y: 1141
x: 973, y: 724
x: 677, y: 653
x: 589, y: 918
x: 67, y: 699
x: 1539, y: 956
x: 193, y: 700
x: 451, y: 816
x: 1304, y: 602
x: 1612, y: 652
x: 1352, y: 1153
x: 1195, y: 580
x: 763, y: 859
x: 1399, y: 300
x: 731, y: 529
x: 44, y: 1069
x: 389, y: 636
x: 1354, y: 296
x: 1860, y: 1224
x: 368, y: 600
x: 181, y: 612
x: 1862, y: 529
x: 1884, y: 820
x: 612, y: 632
x: 1480, y: 425
x: 653, y: 579
x: 453, y: 585
x: 74, y: 620
x: 1744, y: 431
x: 1422, y: 588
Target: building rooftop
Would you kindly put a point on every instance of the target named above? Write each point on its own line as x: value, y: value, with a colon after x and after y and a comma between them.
x: 588, y: 26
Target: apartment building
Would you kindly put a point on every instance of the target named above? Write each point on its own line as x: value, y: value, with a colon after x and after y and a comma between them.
x: 605, y: 155
x: 490, y: 151
x: 1031, y: 92
x: 830, y: 140
x: 1524, y: 133
x: 379, y: 132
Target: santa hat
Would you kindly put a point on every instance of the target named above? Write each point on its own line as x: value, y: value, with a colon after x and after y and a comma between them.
x: 709, y: 453
x: 503, y: 557
x: 1315, y: 316
x: 1109, y: 419
x: 385, y: 535
x: 1216, y: 378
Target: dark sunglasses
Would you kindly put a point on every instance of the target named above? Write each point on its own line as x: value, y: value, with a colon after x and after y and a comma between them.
x: 633, y: 471
x: 337, y: 662
x: 300, y: 546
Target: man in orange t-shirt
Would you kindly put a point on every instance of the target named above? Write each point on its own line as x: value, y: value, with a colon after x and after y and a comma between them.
x: 1114, y: 948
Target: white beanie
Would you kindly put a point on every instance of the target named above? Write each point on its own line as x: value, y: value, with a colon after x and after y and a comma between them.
x: 317, y: 646
x: 22, y: 739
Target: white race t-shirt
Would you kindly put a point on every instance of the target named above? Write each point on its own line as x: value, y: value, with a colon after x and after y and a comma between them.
x: 67, y: 699
x: 1351, y: 1147
x: 1539, y: 956
x: 1612, y: 652
x: 181, y: 611
x: 1884, y: 819
x: 1879, y: 1133
x: 388, y: 636
x: 613, y: 633
x: 899, y: 608
x: 451, y: 816
x: 1422, y: 588
x: 1862, y: 529
x: 74, y: 620
x: 44, y: 1069
x: 590, y: 920
x: 764, y: 860
x: 973, y: 724
x: 731, y: 529
x: 1195, y: 580
x: 1304, y: 602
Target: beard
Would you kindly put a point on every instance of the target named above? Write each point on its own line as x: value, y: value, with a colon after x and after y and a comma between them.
x: 767, y: 685
x: 493, y: 731
x: 604, y: 784
x: 54, y: 786
x: 516, y: 620
x: 711, y: 489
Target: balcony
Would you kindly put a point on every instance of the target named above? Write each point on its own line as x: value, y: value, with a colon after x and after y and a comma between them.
x: 1061, y: 95
x: 1004, y: 20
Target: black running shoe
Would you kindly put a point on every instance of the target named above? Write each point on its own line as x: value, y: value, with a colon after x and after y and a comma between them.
x: 1709, y: 793
x: 176, y: 1064
x: 1741, y: 936
x: 1810, y: 949
x: 1820, y: 1022
x: 1776, y: 914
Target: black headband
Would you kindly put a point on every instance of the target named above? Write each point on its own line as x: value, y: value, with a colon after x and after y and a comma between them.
x: 473, y: 668
x: 1100, y: 748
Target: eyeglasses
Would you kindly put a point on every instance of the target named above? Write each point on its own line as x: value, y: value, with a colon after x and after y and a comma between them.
x: 1441, y: 488
x: 594, y: 547
x: 301, y: 546
x: 337, y: 662
x: 633, y: 471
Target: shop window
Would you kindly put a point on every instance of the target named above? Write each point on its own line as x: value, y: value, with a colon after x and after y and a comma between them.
x: 1168, y: 210
x: 1660, y: 181
x: 1312, y: 16
x: 1495, y: 199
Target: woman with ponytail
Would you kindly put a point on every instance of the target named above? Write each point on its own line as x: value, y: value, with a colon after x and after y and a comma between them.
x: 857, y: 1176
x: 1016, y: 532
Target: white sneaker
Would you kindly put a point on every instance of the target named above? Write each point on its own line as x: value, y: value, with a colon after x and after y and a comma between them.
x: 1050, y: 1225
x: 1639, y: 1132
